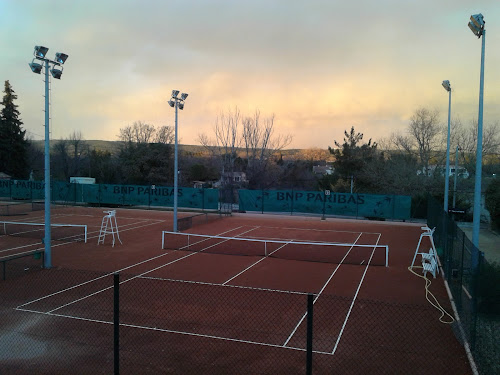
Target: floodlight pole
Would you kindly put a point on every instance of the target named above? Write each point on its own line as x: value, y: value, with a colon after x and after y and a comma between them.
x: 40, y: 53
x: 176, y: 169
x: 455, y: 178
x: 47, y: 239
x: 447, y: 175
x: 479, y: 155
x: 178, y: 103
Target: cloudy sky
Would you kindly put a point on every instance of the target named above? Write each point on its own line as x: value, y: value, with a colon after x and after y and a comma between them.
x: 320, y: 66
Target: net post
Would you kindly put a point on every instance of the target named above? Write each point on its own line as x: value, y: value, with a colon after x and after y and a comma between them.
x: 116, y: 322
x: 387, y: 256
x: 310, y: 304
x: 265, y: 248
x: 162, y: 240
x: 85, y: 234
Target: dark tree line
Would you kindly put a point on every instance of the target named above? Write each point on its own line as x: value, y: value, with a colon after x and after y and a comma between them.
x: 13, y: 144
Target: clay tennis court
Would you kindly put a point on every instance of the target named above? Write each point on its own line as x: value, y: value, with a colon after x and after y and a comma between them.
x: 226, y: 304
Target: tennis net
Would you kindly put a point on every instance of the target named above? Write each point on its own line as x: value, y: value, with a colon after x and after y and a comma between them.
x: 187, y: 222
x: 58, y: 232
x: 325, y: 252
x: 23, y: 208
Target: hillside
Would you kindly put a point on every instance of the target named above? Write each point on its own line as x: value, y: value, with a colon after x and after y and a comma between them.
x: 114, y: 147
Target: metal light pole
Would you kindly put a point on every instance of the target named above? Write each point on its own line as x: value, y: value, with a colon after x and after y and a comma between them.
x: 39, y: 53
x: 447, y: 87
x: 476, y: 25
x: 178, y: 103
x: 455, y: 178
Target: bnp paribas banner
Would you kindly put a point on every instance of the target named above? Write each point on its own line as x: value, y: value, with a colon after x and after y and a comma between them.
x: 102, y: 194
x: 327, y: 203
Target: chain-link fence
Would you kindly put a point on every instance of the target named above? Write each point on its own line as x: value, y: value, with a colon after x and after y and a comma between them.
x: 107, y: 195
x: 65, y: 321
x: 475, y: 287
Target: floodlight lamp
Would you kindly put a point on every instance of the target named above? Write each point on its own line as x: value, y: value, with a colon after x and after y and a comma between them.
x: 171, y: 103
x: 35, y: 67
x: 476, y: 24
x: 175, y: 93
x: 61, y: 57
x: 181, y: 105
x: 478, y: 20
x: 477, y: 32
x: 41, y: 51
x: 446, y: 85
x: 56, y: 73
x: 184, y: 96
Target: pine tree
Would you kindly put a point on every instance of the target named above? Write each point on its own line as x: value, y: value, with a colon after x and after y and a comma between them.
x: 13, y: 145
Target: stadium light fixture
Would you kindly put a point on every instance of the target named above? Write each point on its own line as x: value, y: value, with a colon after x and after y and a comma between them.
x: 40, y: 53
x: 477, y: 26
x: 61, y: 57
x: 178, y: 103
x: 447, y: 87
x: 35, y: 67
x: 56, y: 73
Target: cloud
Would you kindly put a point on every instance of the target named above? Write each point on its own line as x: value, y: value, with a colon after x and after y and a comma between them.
x: 320, y: 66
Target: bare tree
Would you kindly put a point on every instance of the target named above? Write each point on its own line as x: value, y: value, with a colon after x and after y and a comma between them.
x: 138, y: 132
x: 165, y: 135
x: 226, y: 141
x: 254, y: 134
x: 423, y: 139
x: 62, y: 160
x: 146, y: 154
x: 259, y: 141
x: 76, y: 140
x: 261, y: 144
x: 466, y: 139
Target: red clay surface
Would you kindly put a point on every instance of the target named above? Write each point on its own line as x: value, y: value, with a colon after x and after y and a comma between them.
x: 209, y: 313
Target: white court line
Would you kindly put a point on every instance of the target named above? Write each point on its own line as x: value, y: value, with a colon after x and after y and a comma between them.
x: 132, y: 278
x: 250, y: 266
x: 97, y: 278
x: 353, y: 300
x: 156, y: 329
x: 66, y: 243
x: 321, y: 230
x: 222, y: 285
x: 69, y: 242
x: 106, y: 275
x: 321, y: 291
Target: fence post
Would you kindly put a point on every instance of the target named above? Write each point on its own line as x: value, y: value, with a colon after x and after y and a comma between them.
x: 310, y: 300
x: 203, y: 199
x: 324, y: 205
x: 116, y: 322
x: 477, y: 276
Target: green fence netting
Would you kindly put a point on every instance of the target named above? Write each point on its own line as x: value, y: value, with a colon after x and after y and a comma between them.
x: 108, y: 194
x: 326, y: 203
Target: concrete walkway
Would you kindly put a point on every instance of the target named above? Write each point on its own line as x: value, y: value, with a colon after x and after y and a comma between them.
x: 489, y: 241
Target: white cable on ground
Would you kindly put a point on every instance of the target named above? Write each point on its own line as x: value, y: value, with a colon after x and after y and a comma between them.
x: 445, y: 317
